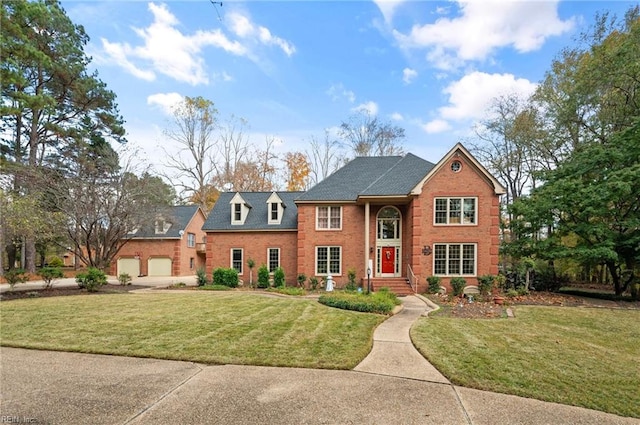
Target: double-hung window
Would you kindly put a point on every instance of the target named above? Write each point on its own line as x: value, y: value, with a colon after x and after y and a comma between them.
x: 456, y: 211
x: 328, y: 260
x: 329, y: 218
x: 191, y: 240
x: 236, y: 259
x: 454, y: 259
x: 273, y: 259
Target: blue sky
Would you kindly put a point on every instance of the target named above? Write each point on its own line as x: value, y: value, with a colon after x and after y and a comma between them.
x: 296, y: 68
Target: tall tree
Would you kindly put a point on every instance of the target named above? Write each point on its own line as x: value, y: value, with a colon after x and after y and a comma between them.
x: 193, y: 167
x: 593, y: 197
x: 297, y: 166
x: 324, y: 157
x: 47, y: 92
x: 366, y: 135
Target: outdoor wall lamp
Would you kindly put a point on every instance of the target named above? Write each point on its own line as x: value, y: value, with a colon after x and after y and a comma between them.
x: 426, y: 250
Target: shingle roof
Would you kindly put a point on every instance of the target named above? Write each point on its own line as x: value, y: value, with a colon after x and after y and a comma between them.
x: 371, y: 176
x: 179, y: 216
x: 220, y: 216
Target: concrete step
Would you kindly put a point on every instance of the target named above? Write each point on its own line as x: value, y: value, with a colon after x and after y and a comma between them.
x: 397, y: 285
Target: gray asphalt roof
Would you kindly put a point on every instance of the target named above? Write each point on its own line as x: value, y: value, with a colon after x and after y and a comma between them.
x: 257, y: 219
x: 179, y: 217
x: 371, y: 176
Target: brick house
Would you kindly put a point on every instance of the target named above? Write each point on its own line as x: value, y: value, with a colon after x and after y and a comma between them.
x: 400, y: 218
x: 173, y: 246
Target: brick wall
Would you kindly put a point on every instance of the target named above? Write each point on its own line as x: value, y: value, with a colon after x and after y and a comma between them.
x: 254, y: 246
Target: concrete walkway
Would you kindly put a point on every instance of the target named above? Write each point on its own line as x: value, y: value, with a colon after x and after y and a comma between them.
x: 391, y: 385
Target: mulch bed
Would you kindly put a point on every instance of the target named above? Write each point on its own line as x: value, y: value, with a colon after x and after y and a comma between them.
x: 66, y: 291
x: 481, y: 309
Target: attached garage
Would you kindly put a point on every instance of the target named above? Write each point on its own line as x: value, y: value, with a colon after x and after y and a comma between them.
x: 159, y: 266
x: 131, y: 266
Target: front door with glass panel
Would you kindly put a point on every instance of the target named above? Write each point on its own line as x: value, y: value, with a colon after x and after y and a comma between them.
x: 388, y: 242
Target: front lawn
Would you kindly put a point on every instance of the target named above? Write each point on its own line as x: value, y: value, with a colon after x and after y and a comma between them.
x: 214, y: 328
x: 577, y: 356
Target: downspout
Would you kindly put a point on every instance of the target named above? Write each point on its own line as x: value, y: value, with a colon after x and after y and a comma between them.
x: 367, y: 213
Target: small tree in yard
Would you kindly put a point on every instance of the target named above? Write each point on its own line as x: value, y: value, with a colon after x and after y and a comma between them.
x: 263, y: 277
x: 49, y: 274
x: 251, y: 263
x: 14, y: 276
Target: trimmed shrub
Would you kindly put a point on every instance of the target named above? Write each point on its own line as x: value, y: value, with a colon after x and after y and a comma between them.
x: 226, y: 277
x: 434, y: 284
x: 92, y: 279
x: 49, y: 274
x: 263, y: 277
x: 124, y: 279
x: 381, y: 302
x: 56, y: 262
x: 486, y: 283
x: 278, y: 277
x: 201, y: 277
x: 313, y: 281
x: 457, y: 285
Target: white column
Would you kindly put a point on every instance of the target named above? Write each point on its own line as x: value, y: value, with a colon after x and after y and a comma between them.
x: 367, y: 213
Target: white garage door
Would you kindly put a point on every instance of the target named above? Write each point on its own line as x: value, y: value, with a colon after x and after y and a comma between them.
x: 131, y: 266
x: 159, y: 266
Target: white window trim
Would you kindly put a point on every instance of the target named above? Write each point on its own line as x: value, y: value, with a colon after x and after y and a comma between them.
x: 191, y: 240
x: 329, y: 208
x: 241, y: 259
x: 461, y: 198
x: 461, y: 245
x: 328, y: 260
x: 269, y: 258
x: 278, y: 220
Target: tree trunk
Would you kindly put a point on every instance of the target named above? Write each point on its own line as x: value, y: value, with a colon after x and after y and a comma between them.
x: 30, y: 255
x: 613, y: 270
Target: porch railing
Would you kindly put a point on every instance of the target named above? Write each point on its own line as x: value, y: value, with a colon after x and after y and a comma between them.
x: 413, y: 280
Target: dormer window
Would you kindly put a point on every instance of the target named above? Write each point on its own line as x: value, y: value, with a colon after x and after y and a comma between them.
x: 239, y: 209
x: 162, y: 226
x: 275, y: 209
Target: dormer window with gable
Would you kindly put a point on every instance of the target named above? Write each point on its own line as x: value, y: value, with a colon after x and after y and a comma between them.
x: 239, y: 210
x: 275, y: 209
x: 162, y: 226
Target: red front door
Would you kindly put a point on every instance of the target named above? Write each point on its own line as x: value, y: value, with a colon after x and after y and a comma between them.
x: 388, y: 259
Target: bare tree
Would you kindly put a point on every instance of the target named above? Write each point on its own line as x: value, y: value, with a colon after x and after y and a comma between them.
x: 232, y: 150
x: 368, y: 136
x: 194, y: 122
x: 324, y: 157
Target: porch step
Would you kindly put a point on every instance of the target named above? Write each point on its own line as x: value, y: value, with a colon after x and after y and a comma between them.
x: 397, y: 285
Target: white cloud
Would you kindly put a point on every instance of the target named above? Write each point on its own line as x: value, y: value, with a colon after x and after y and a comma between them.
x: 471, y: 96
x: 338, y: 91
x: 483, y: 27
x: 396, y: 116
x: 370, y: 107
x: 388, y: 8
x: 242, y: 26
x: 166, y: 101
x: 408, y: 75
x: 166, y: 50
x: 436, y: 126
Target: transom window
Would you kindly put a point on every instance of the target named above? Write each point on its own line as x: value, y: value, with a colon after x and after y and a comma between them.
x: 236, y: 259
x: 328, y: 260
x: 454, y: 259
x: 389, y: 224
x: 329, y: 218
x: 455, y: 211
x: 273, y: 255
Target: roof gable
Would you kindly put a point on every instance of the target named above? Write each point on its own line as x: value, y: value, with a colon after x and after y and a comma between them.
x: 178, y: 216
x: 458, y: 150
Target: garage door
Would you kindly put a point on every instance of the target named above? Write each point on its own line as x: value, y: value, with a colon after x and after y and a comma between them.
x: 131, y: 266
x: 159, y: 266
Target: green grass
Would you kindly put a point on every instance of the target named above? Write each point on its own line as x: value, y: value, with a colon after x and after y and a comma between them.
x: 576, y: 356
x: 215, y: 328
